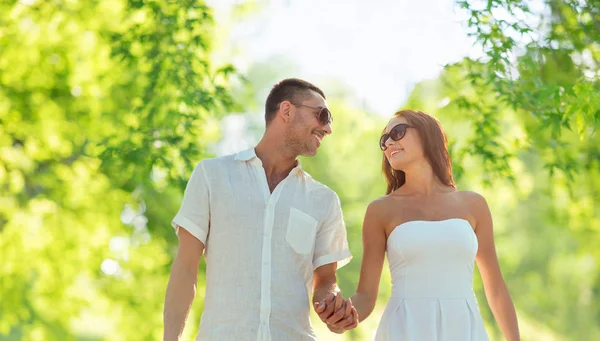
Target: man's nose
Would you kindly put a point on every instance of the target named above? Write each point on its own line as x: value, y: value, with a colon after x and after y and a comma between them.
x: 327, y: 128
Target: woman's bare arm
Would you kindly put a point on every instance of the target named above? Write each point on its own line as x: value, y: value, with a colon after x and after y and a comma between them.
x: 374, y: 241
x: 495, y: 288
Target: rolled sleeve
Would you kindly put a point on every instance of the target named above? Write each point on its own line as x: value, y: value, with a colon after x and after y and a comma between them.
x: 194, y: 213
x: 331, y: 244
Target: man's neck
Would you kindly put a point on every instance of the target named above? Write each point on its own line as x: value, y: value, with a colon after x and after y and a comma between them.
x: 276, y: 160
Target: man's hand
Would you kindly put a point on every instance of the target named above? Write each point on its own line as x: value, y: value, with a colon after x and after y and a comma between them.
x: 332, y: 303
x: 339, y: 314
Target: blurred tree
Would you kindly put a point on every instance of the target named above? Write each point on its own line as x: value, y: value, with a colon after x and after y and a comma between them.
x: 542, y: 63
x: 105, y: 107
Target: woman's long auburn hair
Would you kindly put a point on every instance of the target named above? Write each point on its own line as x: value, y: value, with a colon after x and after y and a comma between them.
x: 435, y: 148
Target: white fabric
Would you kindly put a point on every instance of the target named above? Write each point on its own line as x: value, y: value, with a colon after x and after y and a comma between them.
x: 261, y: 247
x: 431, y: 264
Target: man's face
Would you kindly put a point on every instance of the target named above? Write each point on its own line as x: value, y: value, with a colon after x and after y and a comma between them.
x: 307, y: 131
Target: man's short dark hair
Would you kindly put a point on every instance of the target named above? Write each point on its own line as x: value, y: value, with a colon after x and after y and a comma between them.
x: 290, y: 89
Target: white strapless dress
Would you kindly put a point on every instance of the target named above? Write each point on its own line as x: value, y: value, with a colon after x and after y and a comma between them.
x: 431, y: 264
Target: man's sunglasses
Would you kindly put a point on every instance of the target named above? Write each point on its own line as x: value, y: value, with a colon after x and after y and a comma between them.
x: 323, y: 114
x: 396, y: 134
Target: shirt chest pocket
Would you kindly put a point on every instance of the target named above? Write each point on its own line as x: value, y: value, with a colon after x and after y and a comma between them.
x: 301, y: 231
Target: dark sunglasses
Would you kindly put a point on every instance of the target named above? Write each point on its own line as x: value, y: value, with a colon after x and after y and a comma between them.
x: 323, y: 114
x: 396, y: 134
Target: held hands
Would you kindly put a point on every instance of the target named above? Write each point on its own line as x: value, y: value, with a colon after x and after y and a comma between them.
x: 339, y: 314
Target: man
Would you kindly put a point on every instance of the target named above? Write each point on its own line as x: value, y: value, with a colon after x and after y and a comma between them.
x: 268, y: 230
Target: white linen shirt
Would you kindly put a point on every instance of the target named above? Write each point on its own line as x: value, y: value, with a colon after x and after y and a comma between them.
x: 261, y: 248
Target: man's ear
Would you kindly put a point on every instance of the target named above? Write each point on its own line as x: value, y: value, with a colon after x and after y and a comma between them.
x: 286, y: 111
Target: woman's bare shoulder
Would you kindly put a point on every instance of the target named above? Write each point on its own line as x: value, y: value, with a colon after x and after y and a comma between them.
x: 386, y: 208
x: 389, y: 201
x: 471, y: 197
x: 476, y: 204
x: 378, y: 205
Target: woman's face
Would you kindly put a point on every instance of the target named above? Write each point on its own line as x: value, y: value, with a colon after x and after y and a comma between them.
x: 407, y: 149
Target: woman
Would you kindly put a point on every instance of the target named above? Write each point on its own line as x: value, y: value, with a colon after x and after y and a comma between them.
x: 433, y: 233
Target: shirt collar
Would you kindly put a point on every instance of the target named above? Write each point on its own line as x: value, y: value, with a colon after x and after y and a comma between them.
x: 250, y: 154
x: 246, y: 155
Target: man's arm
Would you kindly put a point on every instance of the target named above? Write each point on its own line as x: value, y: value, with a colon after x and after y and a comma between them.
x: 339, y: 315
x: 182, y: 285
x: 325, y: 282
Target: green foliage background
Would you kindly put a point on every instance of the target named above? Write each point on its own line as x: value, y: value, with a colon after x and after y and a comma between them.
x: 106, y: 106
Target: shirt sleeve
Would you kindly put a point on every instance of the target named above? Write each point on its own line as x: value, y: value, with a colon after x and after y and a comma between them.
x: 331, y: 244
x: 194, y: 213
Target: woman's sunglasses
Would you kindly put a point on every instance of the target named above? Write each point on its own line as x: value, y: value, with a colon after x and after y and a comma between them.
x: 396, y: 134
x: 323, y: 114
